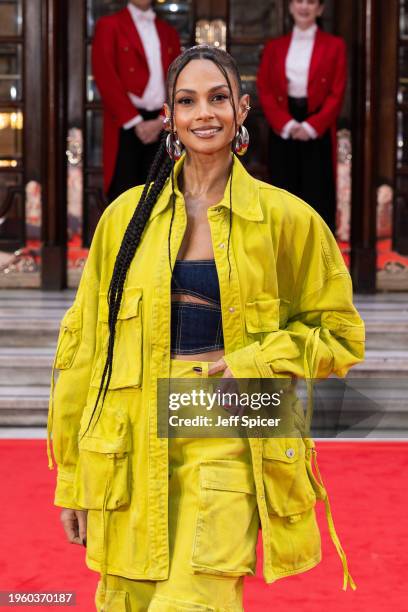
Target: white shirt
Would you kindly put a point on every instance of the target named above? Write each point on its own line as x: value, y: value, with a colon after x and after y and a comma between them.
x: 297, y: 71
x: 154, y: 94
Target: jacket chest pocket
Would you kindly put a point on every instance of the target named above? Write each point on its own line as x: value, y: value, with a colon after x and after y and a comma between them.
x: 288, y: 489
x: 264, y: 316
x: 127, y: 367
x: 69, y: 338
x: 102, y: 475
x: 227, y: 520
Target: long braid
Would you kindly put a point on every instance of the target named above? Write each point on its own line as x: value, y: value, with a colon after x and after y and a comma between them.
x: 161, y: 168
x: 160, y: 171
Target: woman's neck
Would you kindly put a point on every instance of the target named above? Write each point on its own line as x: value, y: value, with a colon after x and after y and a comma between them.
x: 205, y: 176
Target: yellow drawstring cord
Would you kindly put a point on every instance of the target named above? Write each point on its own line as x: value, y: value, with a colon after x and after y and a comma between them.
x: 104, y: 540
x: 314, y: 336
x: 347, y: 578
x: 51, y: 415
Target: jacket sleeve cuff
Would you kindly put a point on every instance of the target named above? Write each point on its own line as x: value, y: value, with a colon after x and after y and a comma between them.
x: 64, y: 491
x: 132, y: 122
x: 287, y: 128
x: 310, y: 130
x: 248, y: 362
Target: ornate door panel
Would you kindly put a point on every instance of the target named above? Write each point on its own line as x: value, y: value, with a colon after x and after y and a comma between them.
x: 86, y: 200
x: 249, y: 27
x: 20, y: 138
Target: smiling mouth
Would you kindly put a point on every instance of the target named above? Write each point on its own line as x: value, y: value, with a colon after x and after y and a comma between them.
x: 206, y: 132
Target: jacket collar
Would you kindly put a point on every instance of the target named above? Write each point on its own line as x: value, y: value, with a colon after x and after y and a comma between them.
x: 245, y: 193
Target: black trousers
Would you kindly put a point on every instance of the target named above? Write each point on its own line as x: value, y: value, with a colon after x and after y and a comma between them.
x: 133, y: 159
x: 305, y: 168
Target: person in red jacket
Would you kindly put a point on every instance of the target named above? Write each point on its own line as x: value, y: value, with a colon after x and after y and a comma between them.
x: 301, y: 83
x: 131, y: 52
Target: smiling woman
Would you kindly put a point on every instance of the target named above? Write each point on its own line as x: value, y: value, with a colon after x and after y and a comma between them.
x: 301, y: 84
x: 203, y: 272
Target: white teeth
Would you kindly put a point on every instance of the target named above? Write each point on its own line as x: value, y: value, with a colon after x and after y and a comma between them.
x: 206, y: 132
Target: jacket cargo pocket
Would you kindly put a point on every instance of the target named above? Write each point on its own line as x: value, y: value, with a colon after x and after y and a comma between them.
x: 262, y: 316
x: 69, y: 338
x: 127, y: 354
x: 265, y: 316
x: 288, y: 490
x: 102, y: 473
x: 227, y: 520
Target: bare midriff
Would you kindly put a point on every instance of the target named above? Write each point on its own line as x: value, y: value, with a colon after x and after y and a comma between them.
x: 209, y: 355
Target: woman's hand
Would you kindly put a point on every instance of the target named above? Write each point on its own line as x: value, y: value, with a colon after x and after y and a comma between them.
x: 299, y: 133
x: 148, y: 131
x: 220, y: 366
x: 226, y: 386
x: 74, y: 524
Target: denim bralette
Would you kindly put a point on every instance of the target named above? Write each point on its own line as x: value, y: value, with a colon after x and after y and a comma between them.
x: 196, y: 328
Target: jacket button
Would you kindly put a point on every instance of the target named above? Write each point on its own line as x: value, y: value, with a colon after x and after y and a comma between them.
x: 126, y: 48
x: 222, y: 245
x: 131, y: 69
x: 280, y: 98
x: 290, y: 452
x: 231, y: 309
x: 324, y: 80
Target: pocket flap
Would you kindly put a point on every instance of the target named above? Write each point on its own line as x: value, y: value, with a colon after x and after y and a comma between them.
x: 262, y: 315
x: 281, y: 449
x: 227, y: 476
x: 72, y: 318
x: 101, y: 445
x: 129, y: 306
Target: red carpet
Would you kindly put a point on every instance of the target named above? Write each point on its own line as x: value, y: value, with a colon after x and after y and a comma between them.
x: 369, y: 498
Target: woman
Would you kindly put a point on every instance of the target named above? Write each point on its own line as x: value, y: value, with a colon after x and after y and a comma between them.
x: 301, y: 84
x: 172, y: 524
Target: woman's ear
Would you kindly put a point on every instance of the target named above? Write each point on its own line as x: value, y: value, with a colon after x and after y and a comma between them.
x: 167, y: 120
x: 243, y: 108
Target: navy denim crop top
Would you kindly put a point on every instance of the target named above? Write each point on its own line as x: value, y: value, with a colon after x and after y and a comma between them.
x: 196, y: 328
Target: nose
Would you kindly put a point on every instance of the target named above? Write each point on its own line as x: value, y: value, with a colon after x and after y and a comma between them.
x: 204, y: 110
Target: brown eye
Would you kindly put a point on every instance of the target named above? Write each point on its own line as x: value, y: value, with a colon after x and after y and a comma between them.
x: 220, y: 97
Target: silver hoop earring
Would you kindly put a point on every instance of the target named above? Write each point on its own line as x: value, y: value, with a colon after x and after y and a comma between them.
x: 241, y: 141
x: 173, y: 146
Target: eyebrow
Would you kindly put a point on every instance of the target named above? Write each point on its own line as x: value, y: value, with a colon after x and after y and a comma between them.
x: 211, y: 90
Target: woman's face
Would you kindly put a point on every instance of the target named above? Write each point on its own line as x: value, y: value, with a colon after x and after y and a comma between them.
x: 305, y: 12
x: 203, y: 114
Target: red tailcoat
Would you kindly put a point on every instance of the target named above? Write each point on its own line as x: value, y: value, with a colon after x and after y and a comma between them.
x: 119, y: 66
x: 325, y: 89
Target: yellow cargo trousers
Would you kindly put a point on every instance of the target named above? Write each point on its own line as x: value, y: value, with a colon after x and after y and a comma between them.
x: 211, y: 520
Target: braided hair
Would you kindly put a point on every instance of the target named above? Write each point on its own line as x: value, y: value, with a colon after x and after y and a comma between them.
x: 160, y: 171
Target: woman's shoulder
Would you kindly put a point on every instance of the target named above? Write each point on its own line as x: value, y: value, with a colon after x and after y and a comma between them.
x: 281, y: 205
x: 332, y: 39
x: 297, y: 222
x: 276, y: 42
x: 123, y: 206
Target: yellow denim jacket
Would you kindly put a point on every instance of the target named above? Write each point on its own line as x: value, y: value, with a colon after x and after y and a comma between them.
x: 287, y: 311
